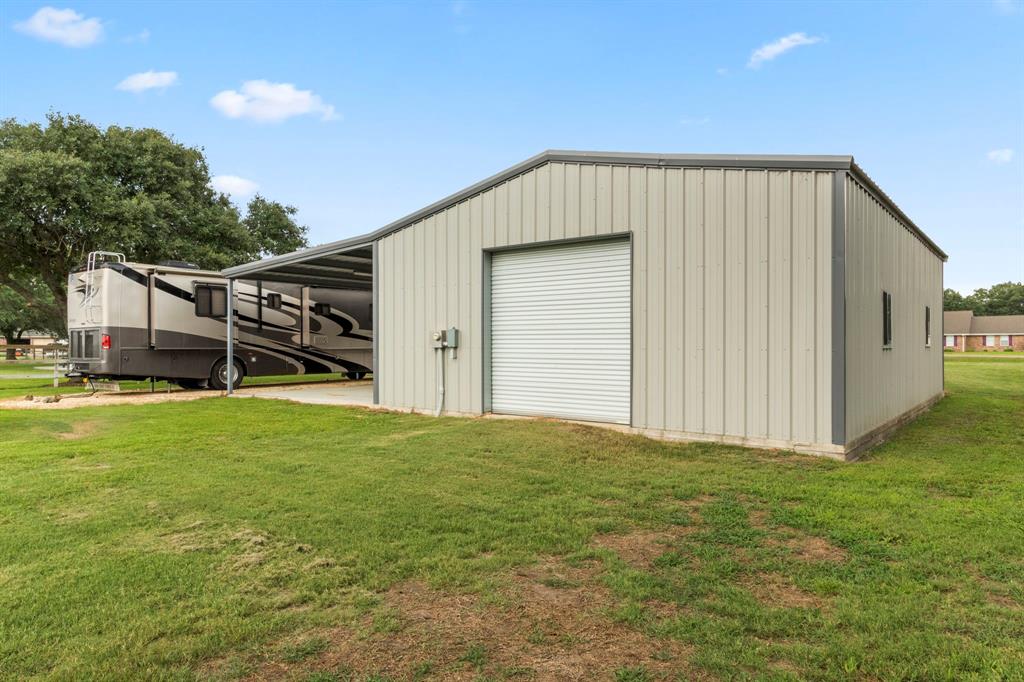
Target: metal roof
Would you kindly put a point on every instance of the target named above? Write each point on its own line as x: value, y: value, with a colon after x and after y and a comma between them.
x: 266, y: 268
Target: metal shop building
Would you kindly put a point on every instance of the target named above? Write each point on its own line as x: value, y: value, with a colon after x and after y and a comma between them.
x: 772, y: 301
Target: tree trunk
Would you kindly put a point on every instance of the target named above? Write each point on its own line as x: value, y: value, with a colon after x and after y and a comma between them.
x: 58, y: 286
x: 11, y: 350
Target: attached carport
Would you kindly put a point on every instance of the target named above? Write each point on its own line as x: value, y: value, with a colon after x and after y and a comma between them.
x: 347, y: 264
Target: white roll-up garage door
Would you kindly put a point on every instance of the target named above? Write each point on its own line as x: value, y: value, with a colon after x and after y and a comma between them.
x: 560, y: 331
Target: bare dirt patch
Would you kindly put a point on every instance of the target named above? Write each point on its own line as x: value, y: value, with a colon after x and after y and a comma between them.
x: 995, y: 593
x: 776, y: 590
x: 814, y: 548
x: 73, y: 400
x: 641, y: 548
x: 80, y: 429
x: 802, y: 545
x: 548, y: 623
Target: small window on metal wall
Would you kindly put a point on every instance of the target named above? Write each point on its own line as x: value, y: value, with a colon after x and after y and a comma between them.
x: 211, y: 300
x: 927, y: 327
x: 274, y: 301
x: 886, y: 319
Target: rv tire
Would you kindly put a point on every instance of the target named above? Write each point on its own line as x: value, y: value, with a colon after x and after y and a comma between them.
x: 218, y: 375
x: 355, y: 376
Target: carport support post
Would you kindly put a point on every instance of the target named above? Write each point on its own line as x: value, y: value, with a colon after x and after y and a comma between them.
x: 231, y: 334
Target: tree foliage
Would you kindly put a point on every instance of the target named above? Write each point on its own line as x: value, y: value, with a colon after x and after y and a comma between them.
x: 19, y: 315
x: 954, y: 300
x: 1000, y: 299
x: 68, y: 188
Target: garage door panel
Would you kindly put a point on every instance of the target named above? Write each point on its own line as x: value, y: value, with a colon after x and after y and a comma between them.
x: 560, y: 331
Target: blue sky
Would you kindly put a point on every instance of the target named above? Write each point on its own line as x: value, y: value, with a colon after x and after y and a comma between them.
x: 360, y: 113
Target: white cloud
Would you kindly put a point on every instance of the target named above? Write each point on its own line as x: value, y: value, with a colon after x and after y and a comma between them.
x: 264, y: 101
x: 722, y: 71
x: 770, y: 51
x: 64, y: 26
x: 140, y: 37
x: 1007, y: 7
x: 148, y: 80
x: 1000, y: 155
x: 233, y: 185
x: 695, y: 121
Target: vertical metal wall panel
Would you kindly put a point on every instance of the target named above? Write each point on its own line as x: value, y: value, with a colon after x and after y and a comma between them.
x: 650, y: 360
x: 693, y: 300
x: 802, y: 358
x: 475, y: 290
x: 822, y: 342
x: 756, y: 398
x: 673, y: 302
x: 882, y: 254
x: 728, y: 338
x: 780, y: 308
x: 641, y: 237
x: 735, y: 309
x: 714, y: 301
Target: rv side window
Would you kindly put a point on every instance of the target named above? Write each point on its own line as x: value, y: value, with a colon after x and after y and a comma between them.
x: 211, y: 300
x: 274, y: 301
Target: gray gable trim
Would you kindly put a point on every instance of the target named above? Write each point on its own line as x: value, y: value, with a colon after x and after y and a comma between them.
x: 776, y: 162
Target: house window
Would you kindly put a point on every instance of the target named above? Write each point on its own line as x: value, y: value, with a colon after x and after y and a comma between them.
x: 886, y: 319
x: 950, y: 341
x: 927, y: 327
x: 990, y: 340
x: 274, y: 301
x: 211, y: 300
x: 1004, y: 340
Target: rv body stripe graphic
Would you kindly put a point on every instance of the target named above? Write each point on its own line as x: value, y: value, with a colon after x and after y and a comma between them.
x: 303, y: 360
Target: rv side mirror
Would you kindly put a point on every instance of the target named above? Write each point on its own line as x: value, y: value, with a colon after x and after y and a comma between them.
x: 274, y: 301
x: 322, y: 309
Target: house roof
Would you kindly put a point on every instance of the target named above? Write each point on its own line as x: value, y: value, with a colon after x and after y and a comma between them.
x: 966, y: 322
x: 997, y: 324
x: 957, y: 321
x: 753, y: 161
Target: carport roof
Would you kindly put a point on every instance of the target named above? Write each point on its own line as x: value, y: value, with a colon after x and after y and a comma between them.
x: 316, y: 255
x: 344, y: 266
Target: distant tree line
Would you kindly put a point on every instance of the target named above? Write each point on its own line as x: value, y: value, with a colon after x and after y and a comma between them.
x: 69, y: 187
x: 1000, y: 299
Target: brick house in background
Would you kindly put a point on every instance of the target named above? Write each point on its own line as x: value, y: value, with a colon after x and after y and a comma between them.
x: 965, y: 331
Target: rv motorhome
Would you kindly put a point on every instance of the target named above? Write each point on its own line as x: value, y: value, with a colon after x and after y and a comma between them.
x: 169, y: 321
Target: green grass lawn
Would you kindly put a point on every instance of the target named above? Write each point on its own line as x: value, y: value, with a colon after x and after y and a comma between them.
x: 227, y: 538
x: 17, y: 388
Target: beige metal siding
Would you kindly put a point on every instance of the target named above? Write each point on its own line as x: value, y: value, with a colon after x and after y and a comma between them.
x: 732, y: 304
x: 731, y: 291
x: 882, y: 254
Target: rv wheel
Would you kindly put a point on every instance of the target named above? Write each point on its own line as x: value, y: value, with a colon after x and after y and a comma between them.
x: 219, y: 375
x: 355, y: 376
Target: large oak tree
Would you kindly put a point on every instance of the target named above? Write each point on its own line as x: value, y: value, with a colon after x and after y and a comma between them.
x: 68, y: 188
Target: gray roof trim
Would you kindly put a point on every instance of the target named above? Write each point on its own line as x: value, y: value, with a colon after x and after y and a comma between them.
x: 779, y: 162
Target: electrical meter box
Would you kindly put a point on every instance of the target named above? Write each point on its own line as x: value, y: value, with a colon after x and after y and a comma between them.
x: 452, y: 338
